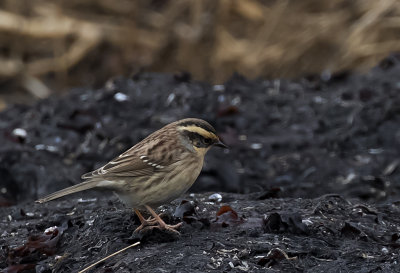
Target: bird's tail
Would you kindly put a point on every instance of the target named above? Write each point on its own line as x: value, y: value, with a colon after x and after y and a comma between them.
x: 76, y: 188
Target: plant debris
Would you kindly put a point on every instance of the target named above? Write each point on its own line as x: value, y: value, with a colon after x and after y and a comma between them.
x: 37, y: 248
x: 285, y: 222
x: 186, y: 211
x: 226, y: 216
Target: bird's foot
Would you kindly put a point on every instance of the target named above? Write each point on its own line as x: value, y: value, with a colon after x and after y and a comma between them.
x: 152, y: 223
x: 146, y: 223
x: 155, y: 223
x: 162, y: 227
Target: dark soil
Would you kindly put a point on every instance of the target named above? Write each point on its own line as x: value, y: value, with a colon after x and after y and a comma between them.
x: 312, y: 177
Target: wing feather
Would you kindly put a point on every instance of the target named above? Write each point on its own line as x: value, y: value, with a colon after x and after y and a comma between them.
x: 140, y: 160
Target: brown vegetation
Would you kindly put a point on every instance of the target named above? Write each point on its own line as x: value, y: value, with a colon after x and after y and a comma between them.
x: 77, y: 42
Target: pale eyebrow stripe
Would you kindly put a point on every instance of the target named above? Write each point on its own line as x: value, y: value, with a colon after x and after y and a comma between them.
x: 199, y: 130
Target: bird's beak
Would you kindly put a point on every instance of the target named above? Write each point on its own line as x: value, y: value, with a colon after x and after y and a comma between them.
x: 221, y: 144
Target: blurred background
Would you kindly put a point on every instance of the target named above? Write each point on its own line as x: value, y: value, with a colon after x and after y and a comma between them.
x: 287, y: 84
x: 49, y: 46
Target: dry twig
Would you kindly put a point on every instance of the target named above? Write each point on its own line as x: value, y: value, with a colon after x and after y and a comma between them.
x: 109, y: 256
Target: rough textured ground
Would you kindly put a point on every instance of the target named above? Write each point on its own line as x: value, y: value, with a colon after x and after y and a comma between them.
x: 326, y: 234
x: 292, y: 143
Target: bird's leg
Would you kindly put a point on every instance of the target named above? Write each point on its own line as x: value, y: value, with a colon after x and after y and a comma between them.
x: 161, y: 223
x: 143, y: 222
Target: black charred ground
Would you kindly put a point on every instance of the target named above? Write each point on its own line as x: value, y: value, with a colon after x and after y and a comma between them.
x: 316, y: 163
x: 241, y: 234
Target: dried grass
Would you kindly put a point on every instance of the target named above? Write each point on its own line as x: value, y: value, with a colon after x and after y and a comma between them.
x: 76, y: 39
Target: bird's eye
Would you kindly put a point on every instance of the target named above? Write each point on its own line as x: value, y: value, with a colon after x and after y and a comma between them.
x: 207, y: 141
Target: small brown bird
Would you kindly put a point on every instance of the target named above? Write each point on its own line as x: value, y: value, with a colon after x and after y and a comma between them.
x: 155, y: 171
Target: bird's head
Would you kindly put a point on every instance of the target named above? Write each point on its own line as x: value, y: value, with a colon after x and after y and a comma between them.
x: 199, y: 135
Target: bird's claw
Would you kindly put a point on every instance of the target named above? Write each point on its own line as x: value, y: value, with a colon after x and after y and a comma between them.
x: 165, y: 227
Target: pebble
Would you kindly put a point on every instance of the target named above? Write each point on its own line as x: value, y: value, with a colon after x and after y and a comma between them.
x: 215, y: 197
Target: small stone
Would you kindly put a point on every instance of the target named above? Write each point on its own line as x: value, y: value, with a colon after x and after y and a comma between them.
x: 19, y: 132
x: 121, y: 97
x: 219, y: 88
x: 215, y: 197
x: 256, y: 146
